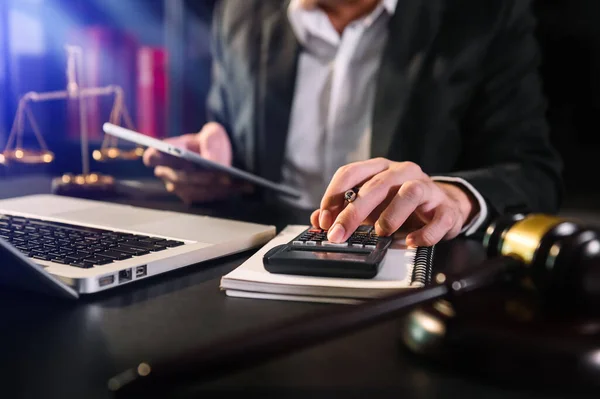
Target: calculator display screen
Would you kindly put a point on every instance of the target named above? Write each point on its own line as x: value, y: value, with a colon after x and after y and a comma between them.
x: 343, y: 256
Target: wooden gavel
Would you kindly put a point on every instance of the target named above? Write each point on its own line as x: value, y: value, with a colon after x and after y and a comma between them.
x: 560, y: 257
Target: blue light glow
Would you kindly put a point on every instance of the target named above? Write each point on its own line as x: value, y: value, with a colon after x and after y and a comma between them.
x: 26, y: 33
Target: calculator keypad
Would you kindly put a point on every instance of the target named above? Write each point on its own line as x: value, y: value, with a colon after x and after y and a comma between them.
x: 363, y: 237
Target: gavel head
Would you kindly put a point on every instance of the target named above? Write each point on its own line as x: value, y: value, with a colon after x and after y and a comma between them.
x: 563, y: 257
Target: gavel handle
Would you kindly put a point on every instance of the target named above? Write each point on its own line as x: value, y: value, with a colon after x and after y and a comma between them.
x: 230, y: 355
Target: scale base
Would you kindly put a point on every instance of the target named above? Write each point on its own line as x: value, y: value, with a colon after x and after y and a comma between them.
x: 92, y: 185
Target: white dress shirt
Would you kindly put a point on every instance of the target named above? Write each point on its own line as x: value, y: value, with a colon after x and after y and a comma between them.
x: 330, y: 121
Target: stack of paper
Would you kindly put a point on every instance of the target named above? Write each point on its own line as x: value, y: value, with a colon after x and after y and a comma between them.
x: 251, y: 280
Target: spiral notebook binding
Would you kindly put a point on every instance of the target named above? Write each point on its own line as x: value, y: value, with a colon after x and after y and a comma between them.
x: 423, y: 263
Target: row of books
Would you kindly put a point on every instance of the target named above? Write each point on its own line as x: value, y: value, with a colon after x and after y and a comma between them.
x: 112, y: 57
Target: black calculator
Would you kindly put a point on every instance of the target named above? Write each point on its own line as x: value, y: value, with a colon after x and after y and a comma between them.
x: 310, y: 254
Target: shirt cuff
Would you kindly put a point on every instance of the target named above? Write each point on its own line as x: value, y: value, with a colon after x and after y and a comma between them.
x: 480, y: 218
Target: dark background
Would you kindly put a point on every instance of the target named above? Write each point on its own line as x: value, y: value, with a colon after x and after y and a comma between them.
x: 568, y: 32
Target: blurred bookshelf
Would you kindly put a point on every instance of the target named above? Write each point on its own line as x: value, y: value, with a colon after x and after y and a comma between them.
x: 157, y: 50
x: 4, y: 109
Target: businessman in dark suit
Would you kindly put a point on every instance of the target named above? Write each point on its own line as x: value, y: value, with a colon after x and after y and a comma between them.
x: 433, y: 108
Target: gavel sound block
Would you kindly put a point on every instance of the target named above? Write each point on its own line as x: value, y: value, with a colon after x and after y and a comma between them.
x: 542, y: 330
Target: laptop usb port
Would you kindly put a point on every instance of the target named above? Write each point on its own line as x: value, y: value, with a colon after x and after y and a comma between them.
x: 140, y: 271
x: 124, y: 276
x: 106, y: 280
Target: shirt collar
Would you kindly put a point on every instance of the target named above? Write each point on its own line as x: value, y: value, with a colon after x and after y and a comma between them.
x: 390, y: 6
x: 297, y: 16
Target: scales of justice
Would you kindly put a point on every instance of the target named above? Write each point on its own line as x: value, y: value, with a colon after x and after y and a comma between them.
x: 15, y: 152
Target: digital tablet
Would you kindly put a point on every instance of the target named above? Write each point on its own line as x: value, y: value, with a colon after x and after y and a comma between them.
x: 162, y: 146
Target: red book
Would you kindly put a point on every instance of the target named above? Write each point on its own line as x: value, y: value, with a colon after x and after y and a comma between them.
x: 152, y: 91
x: 108, y: 59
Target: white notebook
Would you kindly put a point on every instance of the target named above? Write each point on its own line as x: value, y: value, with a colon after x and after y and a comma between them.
x: 402, y: 268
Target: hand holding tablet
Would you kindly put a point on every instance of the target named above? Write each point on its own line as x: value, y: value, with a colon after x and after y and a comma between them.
x: 190, y: 182
x: 194, y: 160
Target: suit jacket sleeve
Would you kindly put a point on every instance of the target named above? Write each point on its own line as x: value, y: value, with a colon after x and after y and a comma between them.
x: 508, y: 156
x: 217, y: 102
x: 217, y: 97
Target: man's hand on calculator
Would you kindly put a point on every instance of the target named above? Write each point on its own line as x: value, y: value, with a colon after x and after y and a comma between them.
x: 394, y: 195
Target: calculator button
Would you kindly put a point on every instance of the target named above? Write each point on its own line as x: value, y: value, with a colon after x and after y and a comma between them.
x: 357, y: 245
x: 315, y: 231
x: 311, y: 243
x: 364, y: 229
x: 371, y: 246
x: 297, y: 242
x: 334, y: 244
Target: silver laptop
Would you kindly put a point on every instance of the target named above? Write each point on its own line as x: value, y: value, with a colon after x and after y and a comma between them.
x: 68, y: 246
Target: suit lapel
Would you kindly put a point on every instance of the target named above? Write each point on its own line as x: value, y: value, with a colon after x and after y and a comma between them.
x: 279, y: 55
x: 411, y: 31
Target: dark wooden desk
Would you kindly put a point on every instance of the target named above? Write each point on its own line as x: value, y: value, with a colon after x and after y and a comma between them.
x: 52, y: 349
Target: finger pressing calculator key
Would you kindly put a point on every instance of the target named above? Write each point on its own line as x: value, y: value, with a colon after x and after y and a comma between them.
x: 310, y: 253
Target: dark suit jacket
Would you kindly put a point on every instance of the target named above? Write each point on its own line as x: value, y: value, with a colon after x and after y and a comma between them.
x: 457, y: 93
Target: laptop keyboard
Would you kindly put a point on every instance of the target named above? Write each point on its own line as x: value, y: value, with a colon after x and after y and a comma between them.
x: 75, y: 245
